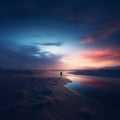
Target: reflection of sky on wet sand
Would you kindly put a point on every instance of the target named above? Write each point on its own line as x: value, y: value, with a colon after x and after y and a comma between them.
x: 105, y: 90
x: 94, y: 81
x: 80, y: 79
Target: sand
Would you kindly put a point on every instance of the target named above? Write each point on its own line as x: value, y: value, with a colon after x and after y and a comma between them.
x: 45, y: 98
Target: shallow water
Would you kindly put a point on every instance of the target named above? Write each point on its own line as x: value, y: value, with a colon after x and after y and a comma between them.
x: 103, y: 89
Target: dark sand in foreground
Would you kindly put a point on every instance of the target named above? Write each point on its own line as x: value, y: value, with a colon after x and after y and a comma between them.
x: 46, y: 98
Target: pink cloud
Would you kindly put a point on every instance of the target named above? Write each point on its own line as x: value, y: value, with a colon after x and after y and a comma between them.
x: 103, y: 54
x: 94, y: 58
x: 87, y: 40
x: 104, y: 33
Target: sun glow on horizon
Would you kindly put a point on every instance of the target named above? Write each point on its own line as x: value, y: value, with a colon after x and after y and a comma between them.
x: 95, y: 58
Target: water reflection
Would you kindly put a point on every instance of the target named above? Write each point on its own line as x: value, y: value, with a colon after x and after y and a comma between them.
x: 105, y: 90
x: 93, y: 81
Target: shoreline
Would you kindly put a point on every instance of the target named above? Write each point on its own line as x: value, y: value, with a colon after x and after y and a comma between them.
x: 47, y: 98
x: 92, y: 99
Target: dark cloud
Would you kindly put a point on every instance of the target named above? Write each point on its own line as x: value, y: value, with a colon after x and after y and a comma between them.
x: 89, y: 10
x: 26, y: 56
x: 103, y: 33
x: 27, y: 8
x: 92, y: 11
x: 50, y: 44
x: 108, y: 31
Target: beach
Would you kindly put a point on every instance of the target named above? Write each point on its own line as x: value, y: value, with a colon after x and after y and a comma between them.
x: 26, y: 97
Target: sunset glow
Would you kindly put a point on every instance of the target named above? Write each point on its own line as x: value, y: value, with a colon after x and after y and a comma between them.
x: 64, y: 37
x: 96, y: 58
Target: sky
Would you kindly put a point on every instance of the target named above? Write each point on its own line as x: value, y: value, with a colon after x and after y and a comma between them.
x: 59, y: 34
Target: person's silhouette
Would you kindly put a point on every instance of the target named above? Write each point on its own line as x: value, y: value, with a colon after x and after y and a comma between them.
x: 61, y: 74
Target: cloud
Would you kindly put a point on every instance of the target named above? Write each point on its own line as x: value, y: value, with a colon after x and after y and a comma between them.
x: 99, y: 55
x: 106, y: 32
x: 87, y: 40
x: 73, y: 10
x: 99, y: 21
x: 103, y: 33
x: 27, y: 56
x: 96, y: 58
x: 111, y: 31
x: 49, y: 44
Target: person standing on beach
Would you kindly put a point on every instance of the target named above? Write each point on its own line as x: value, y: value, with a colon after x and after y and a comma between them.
x: 61, y: 74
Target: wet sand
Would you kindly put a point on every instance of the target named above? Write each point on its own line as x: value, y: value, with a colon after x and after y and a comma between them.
x: 46, y: 98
